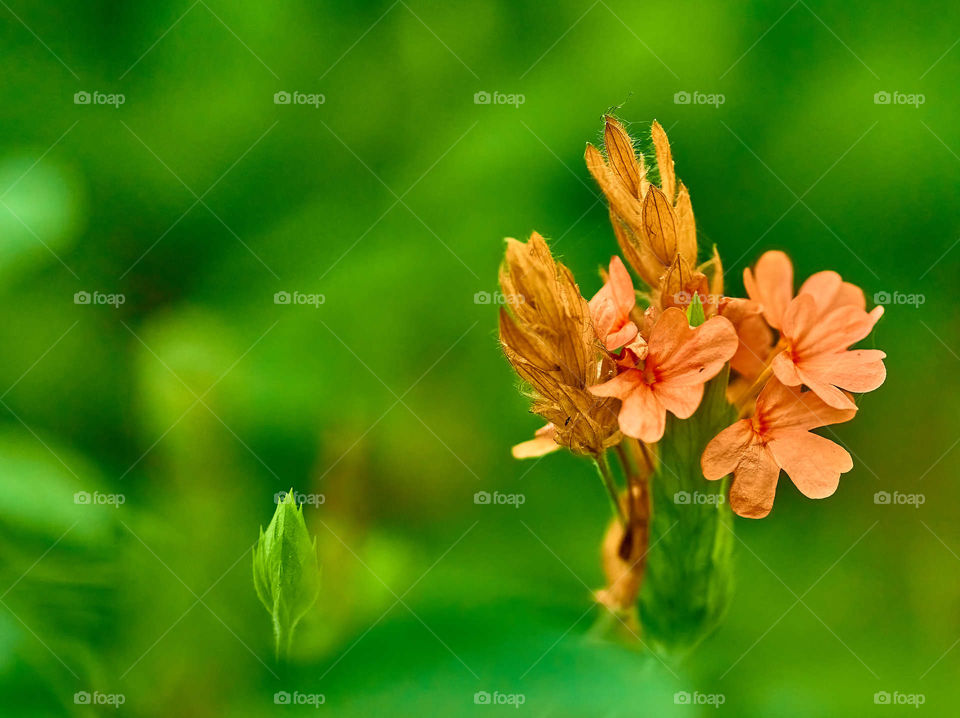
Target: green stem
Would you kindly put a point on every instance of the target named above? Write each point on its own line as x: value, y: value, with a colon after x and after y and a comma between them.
x: 283, y: 637
x: 603, y: 466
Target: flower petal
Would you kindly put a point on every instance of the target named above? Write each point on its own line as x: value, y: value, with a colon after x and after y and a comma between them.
x: 754, y: 335
x: 858, y: 370
x: 722, y: 454
x: 811, y: 331
x: 830, y: 291
x: 754, y: 482
x: 783, y: 408
x: 622, y: 385
x: 681, y: 401
x: 827, y: 391
x: 685, y: 356
x: 642, y: 416
x: 540, y: 445
x: 812, y: 462
x: 611, y: 306
x: 771, y: 284
x: 623, y: 336
x: 621, y: 286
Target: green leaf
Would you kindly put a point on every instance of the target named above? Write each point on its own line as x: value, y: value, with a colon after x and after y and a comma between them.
x: 695, y: 315
x: 688, y: 581
x: 286, y: 573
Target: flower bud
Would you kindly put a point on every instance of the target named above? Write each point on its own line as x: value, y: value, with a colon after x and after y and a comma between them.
x: 286, y: 574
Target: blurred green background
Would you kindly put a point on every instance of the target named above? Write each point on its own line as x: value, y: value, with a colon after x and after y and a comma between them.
x: 199, y: 397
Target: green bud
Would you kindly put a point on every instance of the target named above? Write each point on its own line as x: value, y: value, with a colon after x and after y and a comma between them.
x: 695, y: 315
x: 286, y: 573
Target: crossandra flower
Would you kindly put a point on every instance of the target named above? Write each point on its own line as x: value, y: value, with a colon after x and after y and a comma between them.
x: 611, y: 307
x: 817, y: 329
x: 654, y: 226
x: 549, y: 339
x: 679, y: 361
x: 777, y: 438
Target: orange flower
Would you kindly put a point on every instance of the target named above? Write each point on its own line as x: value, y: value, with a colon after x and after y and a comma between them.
x: 817, y: 329
x: 818, y: 354
x: 610, y: 308
x: 778, y: 437
x: 679, y: 360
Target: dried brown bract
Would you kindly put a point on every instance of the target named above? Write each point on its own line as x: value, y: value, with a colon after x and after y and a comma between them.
x: 654, y: 225
x: 549, y: 339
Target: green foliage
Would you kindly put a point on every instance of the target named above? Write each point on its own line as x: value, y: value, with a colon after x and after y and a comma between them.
x: 689, y: 569
x: 286, y: 574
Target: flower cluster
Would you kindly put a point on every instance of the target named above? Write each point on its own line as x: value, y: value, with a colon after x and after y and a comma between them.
x: 606, y: 373
x: 634, y: 354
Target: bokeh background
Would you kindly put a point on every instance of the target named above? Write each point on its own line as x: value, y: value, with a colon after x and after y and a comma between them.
x: 198, y: 398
